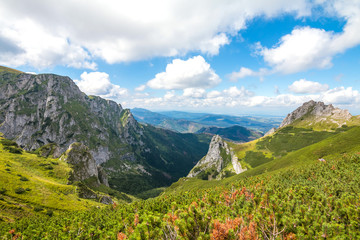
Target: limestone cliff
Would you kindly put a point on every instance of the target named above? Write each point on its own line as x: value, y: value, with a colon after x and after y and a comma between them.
x: 49, y: 112
x: 315, y: 113
x: 219, y: 162
x: 83, y: 164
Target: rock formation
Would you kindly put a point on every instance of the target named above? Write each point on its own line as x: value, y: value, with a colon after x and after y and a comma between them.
x: 219, y: 156
x: 317, y: 112
x: 83, y: 164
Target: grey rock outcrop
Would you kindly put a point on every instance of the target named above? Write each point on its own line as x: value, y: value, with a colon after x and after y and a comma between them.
x: 83, y: 164
x: 319, y: 112
x: 36, y: 110
x: 218, y: 157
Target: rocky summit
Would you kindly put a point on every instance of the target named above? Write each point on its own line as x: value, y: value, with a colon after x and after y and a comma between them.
x: 218, y: 162
x: 317, y: 112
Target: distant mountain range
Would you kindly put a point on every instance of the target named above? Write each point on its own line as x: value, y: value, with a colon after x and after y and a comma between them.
x: 193, y: 122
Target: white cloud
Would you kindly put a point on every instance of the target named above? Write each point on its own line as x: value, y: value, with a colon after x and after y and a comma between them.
x: 194, y: 92
x: 303, y: 49
x: 98, y: 83
x: 247, y: 72
x: 238, y: 98
x: 308, y: 48
x: 341, y: 95
x: 76, y: 33
x: 305, y: 86
x: 234, y: 92
x: 39, y: 48
x: 192, y: 73
x: 140, y: 88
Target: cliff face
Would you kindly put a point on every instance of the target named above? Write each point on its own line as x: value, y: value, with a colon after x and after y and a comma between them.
x: 49, y: 111
x: 83, y: 164
x: 312, y: 113
x: 36, y: 110
x: 218, y: 162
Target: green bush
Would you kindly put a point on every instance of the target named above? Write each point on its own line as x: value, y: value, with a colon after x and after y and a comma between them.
x: 24, y: 179
x: 19, y: 190
x: 38, y: 209
x: 2, y: 190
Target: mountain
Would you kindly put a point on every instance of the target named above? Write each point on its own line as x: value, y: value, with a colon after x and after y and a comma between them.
x: 234, y: 133
x: 311, y: 126
x: 160, y: 120
x: 35, y: 185
x: 317, y: 115
x: 218, y: 163
x: 37, y: 110
x: 262, y: 124
x: 299, y: 183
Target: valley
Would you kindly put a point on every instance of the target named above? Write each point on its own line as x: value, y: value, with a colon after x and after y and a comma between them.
x: 84, y: 167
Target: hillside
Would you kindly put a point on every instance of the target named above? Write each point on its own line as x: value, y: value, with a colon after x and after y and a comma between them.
x: 234, y: 133
x: 261, y: 123
x: 292, y: 144
x: 316, y: 201
x: 160, y: 120
x: 36, y: 110
x: 35, y: 185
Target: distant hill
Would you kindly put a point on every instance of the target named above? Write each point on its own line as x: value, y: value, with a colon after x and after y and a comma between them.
x: 234, y: 133
x: 312, y: 131
x: 163, y: 121
x: 193, y: 122
x: 262, y: 124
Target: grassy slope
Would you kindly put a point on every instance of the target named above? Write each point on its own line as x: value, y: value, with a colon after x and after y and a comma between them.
x: 6, y: 69
x: 332, y: 147
x: 46, y: 183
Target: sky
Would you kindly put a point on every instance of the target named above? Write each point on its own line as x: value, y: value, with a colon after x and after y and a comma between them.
x: 235, y: 57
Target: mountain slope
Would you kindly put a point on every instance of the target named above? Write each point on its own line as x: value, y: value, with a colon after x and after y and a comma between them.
x: 234, y: 133
x: 262, y: 124
x: 36, y: 110
x: 317, y: 115
x: 160, y: 120
x: 293, y: 144
x: 31, y: 184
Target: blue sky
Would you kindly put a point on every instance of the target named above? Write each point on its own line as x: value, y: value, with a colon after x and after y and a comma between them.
x: 233, y: 57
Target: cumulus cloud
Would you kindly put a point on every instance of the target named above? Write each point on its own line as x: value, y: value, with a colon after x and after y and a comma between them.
x: 305, y: 86
x: 75, y: 33
x: 140, y: 88
x: 247, y: 72
x: 181, y: 74
x: 98, y: 83
x: 194, y: 92
x: 342, y: 96
x: 239, y: 98
x: 308, y: 48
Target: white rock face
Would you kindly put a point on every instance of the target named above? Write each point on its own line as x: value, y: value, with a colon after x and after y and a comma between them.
x: 214, y: 158
x: 83, y: 163
x: 318, y: 110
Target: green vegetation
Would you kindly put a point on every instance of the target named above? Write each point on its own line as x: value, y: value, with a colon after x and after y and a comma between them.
x: 28, y: 181
x: 316, y: 201
x: 233, y: 133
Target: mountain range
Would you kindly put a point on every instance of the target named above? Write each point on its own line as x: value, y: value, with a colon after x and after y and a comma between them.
x: 47, y: 109
x: 74, y: 166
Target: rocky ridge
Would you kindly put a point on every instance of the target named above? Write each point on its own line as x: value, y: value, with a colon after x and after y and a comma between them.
x: 49, y: 112
x: 317, y: 112
x: 219, y: 159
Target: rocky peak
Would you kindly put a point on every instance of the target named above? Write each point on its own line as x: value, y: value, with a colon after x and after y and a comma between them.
x: 318, y: 111
x: 83, y: 164
x: 218, y: 157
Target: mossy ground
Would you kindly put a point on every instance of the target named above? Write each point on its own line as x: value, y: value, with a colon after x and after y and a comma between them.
x: 44, y: 181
